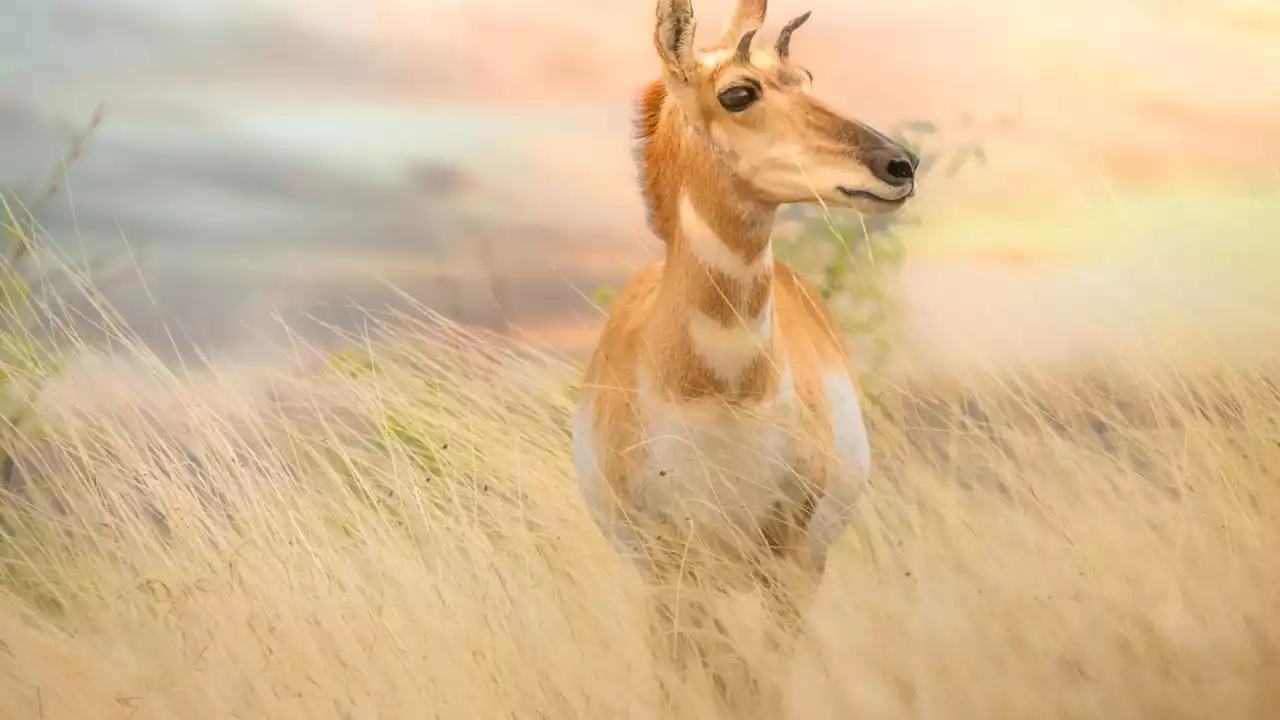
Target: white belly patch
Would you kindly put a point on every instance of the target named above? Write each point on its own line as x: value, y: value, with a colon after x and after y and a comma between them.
x: 721, y: 467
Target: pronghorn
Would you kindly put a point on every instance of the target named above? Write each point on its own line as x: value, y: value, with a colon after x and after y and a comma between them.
x: 721, y: 397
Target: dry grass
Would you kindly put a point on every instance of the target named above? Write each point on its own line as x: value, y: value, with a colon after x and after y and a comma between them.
x: 405, y: 540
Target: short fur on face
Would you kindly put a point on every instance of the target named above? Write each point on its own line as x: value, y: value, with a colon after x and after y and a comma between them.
x: 785, y: 145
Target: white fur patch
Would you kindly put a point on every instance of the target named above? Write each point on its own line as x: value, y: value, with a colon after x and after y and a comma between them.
x: 763, y: 59
x: 714, y: 464
x: 787, y: 396
x: 728, y: 350
x: 851, y: 442
x: 585, y: 459
x: 846, y: 477
x: 594, y: 487
x: 714, y: 253
x: 714, y: 58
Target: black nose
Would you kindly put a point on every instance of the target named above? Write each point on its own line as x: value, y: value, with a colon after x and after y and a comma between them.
x: 893, y: 165
x: 900, y: 169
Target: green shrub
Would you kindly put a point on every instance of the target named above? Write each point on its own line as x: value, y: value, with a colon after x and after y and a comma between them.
x: 852, y: 259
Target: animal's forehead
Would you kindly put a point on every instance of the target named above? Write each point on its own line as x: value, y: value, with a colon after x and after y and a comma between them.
x: 715, y: 60
x: 764, y: 65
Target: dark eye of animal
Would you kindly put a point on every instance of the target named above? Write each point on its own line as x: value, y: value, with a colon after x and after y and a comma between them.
x: 738, y: 98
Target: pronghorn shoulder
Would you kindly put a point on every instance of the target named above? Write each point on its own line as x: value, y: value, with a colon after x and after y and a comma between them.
x: 824, y: 376
x: 809, y: 328
x: 606, y: 420
x: 618, y: 347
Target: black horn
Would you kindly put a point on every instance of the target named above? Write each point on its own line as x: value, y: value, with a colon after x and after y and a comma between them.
x: 784, y: 37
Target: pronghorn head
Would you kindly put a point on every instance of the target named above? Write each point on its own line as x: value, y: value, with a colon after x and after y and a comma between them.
x: 751, y: 111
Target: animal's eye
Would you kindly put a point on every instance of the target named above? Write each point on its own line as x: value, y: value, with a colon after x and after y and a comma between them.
x: 738, y: 98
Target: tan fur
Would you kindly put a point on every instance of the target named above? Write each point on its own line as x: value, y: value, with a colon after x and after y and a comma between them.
x: 643, y: 332
x: 718, y: 323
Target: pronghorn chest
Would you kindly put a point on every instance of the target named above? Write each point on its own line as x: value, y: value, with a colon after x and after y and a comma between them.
x: 722, y: 466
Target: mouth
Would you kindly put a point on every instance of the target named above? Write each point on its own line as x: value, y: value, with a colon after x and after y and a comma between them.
x: 868, y: 195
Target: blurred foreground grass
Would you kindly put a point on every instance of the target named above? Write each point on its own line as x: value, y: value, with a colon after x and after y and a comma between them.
x: 397, y: 534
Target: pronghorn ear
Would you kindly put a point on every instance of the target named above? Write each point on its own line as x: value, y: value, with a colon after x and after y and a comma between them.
x: 673, y: 38
x: 748, y: 16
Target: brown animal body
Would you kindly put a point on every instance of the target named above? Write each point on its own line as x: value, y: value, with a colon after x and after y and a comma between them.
x: 721, y: 400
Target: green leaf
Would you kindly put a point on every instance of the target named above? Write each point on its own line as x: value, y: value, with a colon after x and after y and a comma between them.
x: 353, y: 363
x: 604, y: 296
x: 921, y: 126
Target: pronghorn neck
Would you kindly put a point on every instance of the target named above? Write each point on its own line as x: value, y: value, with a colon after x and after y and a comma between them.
x: 720, y: 258
x: 712, y: 330
x: 709, y: 206
x: 714, y: 314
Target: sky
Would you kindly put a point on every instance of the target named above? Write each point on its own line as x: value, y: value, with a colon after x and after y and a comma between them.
x: 290, y: 157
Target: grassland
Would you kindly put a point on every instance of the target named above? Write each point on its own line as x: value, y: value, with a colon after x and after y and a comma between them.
x: 395, y: 533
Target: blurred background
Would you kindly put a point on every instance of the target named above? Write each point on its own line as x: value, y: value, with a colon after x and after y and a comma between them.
x: 1106, y: 172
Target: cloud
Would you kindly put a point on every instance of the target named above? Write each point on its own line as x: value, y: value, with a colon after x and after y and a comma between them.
x: 211, y: 199
x: 143, y: 47
x: 137, y: 48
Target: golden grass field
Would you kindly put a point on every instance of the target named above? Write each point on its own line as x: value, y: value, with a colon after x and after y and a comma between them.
x: 401, y: 537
